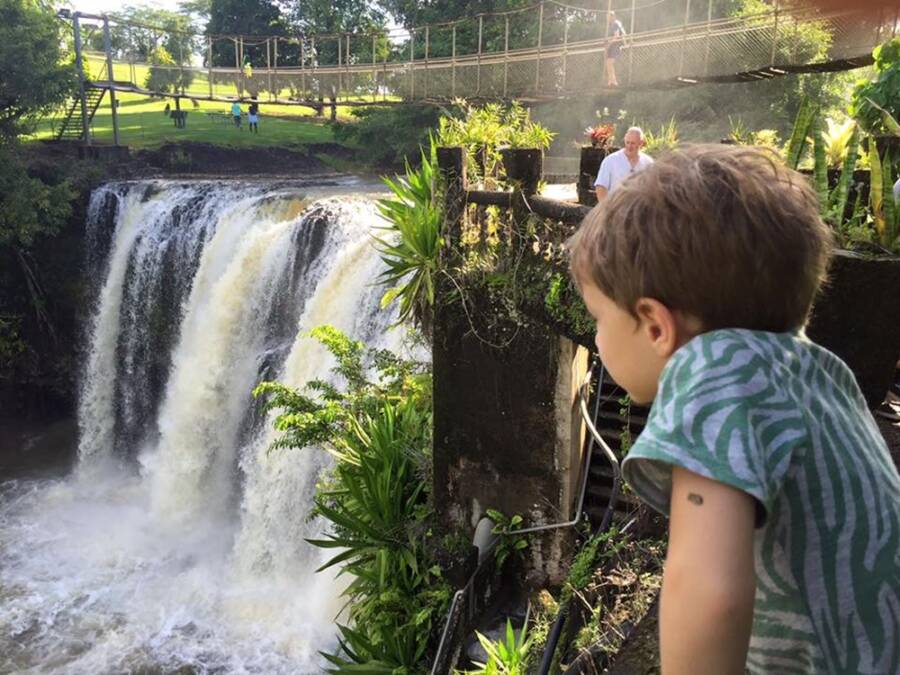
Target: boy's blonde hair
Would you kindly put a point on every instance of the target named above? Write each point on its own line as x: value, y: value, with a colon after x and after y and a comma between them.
x: 726, y: 234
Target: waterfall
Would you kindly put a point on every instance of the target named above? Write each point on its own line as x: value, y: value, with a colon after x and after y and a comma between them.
x: 179, y: 540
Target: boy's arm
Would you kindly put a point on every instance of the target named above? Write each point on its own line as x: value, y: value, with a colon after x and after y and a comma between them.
x: 706, y: 609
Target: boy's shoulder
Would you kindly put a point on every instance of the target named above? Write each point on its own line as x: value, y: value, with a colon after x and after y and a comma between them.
x: 736, y: 355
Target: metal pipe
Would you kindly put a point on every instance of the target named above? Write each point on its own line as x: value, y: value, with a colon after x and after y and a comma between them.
x: 583, y: 396
x: 107, y: 45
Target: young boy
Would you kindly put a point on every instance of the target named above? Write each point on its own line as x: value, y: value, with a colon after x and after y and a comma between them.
x: 784, y: 504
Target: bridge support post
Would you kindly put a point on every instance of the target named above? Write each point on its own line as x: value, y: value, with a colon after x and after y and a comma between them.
x: 480, y: 30
x: 565, y: 67
x: 630, y: 34
x: 774, y: 34
x: 79, y: 63
x: 348, y: 78
x: 506, y: 56
x: 427, y: 36
x: 412, y: 63
x: 708, y: 37
x: 340, y: 48
x: 269, y: 66
x: 209, y: 65
x: 374, y: 70
x: 687, y: 14
x: 239, y: 78
x: 453, y: 63
x: 107, y: 46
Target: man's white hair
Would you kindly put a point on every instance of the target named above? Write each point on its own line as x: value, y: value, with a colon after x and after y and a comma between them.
x: 635, y: 130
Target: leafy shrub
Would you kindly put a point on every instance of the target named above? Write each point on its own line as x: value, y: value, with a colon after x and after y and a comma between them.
x: 879, y: 97
x: 376, y: 498
x: 390, y: 136
x: 412, y: 240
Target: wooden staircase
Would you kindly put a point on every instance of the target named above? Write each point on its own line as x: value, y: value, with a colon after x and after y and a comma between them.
x: 71, y: 128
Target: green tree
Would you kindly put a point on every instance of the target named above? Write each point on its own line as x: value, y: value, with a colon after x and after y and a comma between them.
x: 36, y: 78
x: 243, y: 17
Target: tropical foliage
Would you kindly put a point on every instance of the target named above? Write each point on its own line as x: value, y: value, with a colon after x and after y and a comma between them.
x: 508, y: 656
x: 485, y: 131
x: 876, y: 100
x: 377, y: 427
x: 35, y: 204
x: 412, y: 240
x: 656, y: 143
x: 392, y: 136
x: 875, y: 222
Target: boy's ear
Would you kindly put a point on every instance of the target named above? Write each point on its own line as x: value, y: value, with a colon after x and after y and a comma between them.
x: 661, y: 326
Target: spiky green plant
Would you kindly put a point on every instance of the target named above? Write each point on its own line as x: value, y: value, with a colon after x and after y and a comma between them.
x: 665, y: 139
x: 800, y: 133
x: 837, y: 140
x: 838, y: 199
x: 411, y: 243
x: 508, y: 656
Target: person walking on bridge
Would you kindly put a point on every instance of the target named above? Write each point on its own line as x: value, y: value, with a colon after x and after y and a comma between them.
x: 615, y: 33
x: 619, y: 165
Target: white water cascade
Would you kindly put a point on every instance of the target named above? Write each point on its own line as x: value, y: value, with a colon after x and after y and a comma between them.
x: 178, y: 542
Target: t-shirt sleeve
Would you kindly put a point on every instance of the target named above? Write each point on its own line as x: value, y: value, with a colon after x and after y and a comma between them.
x: 718, y: 413
x: 604, y: 176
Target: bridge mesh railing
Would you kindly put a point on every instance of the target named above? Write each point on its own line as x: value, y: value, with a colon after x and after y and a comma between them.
x: 543, y: 51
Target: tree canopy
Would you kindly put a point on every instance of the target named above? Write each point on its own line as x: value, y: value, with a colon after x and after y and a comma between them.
x: 37, y: 76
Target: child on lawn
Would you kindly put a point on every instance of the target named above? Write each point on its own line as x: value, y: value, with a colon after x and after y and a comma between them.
x: 783, y: 500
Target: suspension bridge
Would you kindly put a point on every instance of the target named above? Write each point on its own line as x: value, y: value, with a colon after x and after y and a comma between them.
x: 547, y: 51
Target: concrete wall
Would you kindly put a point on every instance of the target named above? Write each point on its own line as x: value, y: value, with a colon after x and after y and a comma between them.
x: 506, y: 432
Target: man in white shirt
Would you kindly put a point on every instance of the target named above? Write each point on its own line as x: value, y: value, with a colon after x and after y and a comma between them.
x: 622, y: 163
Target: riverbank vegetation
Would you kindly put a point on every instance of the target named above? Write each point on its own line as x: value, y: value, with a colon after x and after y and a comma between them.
x: 38, y: 206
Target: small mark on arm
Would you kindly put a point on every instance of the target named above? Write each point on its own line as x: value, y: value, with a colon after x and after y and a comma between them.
x: 694, y: 498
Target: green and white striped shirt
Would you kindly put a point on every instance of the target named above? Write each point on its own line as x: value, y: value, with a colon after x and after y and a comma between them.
x: 783, y: 419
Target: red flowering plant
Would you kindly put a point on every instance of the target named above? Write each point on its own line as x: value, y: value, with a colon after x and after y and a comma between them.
x: 600, y: 135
